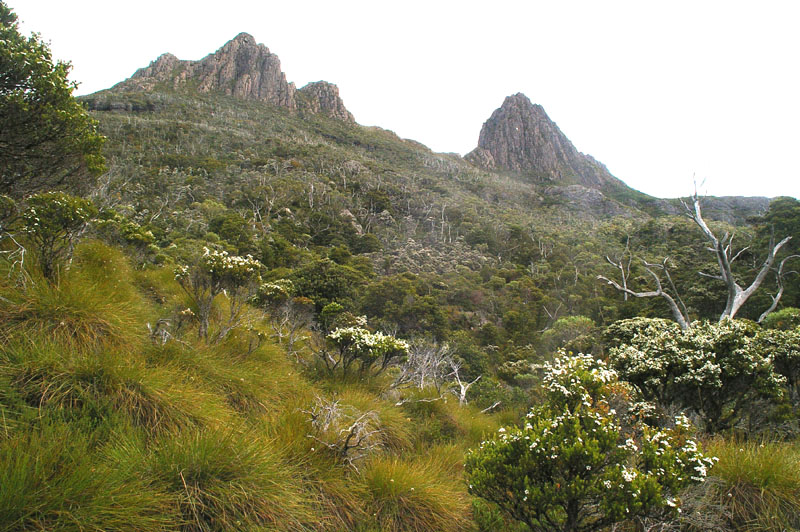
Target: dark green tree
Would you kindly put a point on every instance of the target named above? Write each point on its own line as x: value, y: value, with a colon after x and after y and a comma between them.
x: 47, y: 139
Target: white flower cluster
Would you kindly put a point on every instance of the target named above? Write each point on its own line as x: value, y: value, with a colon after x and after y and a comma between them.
x: 563, y: 376
x: 220, y: 262
x: 362, y: 340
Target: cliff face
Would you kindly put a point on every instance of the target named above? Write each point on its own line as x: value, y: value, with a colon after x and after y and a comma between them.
x: 520, y: 137
x: 243, y: 69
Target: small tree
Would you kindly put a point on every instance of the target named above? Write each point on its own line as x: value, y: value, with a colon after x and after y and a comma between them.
x: 47, y: 139
x: 53, y: 222
x: 357, y: 347
x: 574, y: 467
x: 214, y: 273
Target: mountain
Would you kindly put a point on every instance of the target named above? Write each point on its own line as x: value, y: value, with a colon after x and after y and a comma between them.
x: 520, y: 137
x: 243, y: 69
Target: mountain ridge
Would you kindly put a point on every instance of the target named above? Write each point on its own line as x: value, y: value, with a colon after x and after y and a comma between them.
x: 519, y: 137
x: 244, y: 69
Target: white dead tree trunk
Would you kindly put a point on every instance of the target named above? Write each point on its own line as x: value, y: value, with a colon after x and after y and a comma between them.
x: 463, y: 386
x: 723, y: 249
x: 779, y: 277
x: 679, y: 311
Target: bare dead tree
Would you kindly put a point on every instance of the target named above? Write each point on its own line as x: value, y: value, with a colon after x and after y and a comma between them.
x: 463, y: 386
x: 350, y: 434
x: 428, y: 363
x: 623, y: 263
x: 289, y: 323
x: 676, y: 305
x: 779, y: 276
x: 723, y: 249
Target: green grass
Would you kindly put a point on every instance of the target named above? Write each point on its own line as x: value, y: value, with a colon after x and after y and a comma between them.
x: 754, y: 487
x: 52, y: 480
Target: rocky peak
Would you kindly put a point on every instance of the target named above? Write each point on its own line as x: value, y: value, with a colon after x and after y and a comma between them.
x: 247, y: 70
x: 323, y: 97
x: 244, y: 69
x: 520, y: 137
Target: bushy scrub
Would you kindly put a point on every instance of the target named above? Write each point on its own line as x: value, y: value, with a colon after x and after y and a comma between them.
x: 53, y: 222
x: 714, y: 370
x: 578, y: 465
x: 785, y: 319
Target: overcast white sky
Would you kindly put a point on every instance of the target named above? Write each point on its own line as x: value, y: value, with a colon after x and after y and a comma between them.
x: 658, y: 91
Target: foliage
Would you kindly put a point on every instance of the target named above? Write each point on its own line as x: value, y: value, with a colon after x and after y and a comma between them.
x: 575, y: 466
x: 785, y: 319
x: 53, y: 222
x: 715, y: 371
x: 567, y: 332
x: 47, y: 139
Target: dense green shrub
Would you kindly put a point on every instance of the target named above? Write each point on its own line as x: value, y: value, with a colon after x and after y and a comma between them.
x: 575, y: 465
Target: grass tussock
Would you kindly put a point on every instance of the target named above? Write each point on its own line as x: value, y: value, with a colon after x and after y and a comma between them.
x: 107, y: 383
x: 754, y: 487
x: 414, y: 496
x: 51, y: 480
x: 395, y: 425
x: 222, y: 479
x: 91, y: 305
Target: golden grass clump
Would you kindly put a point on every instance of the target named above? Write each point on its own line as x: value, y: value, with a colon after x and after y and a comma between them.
x: 225, y: 479
x: 107, y: 382
x: 51, y: 479
x: 414, y: 496
x: 92, y: 304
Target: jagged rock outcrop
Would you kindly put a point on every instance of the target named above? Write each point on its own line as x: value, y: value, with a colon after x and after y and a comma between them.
x: 247, y: 70
x: 244, y: 69
x: 520, y: 137
x: 323, y: 97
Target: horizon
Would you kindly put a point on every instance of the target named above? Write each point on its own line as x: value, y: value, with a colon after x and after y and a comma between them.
x: 617, y: 80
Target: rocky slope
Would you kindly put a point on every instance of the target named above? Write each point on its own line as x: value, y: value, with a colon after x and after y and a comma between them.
x: 241, y: 68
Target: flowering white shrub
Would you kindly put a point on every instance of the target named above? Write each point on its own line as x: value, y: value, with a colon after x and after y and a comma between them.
x: 214, y: 273
x: 573, y: 465
x: 368, y: 350
x: 715, y: 370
